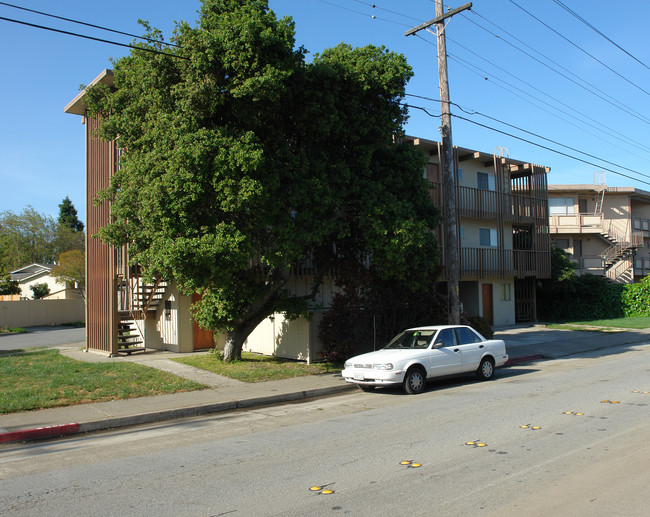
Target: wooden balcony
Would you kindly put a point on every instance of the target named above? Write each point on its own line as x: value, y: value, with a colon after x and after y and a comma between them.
x: 490, y: 204
x: 494, y: 262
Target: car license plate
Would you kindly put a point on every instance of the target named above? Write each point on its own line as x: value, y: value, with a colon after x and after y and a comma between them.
x: 358, y: 376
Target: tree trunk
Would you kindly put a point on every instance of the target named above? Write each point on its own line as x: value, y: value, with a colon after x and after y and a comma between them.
x: 233, y: 346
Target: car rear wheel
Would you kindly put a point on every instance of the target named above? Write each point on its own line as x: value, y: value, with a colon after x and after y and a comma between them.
x: 486, y: 369
x: 415, y: 380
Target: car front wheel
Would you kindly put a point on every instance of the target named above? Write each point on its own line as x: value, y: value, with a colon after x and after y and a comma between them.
x: 415, y: 380
x: 486, y: 369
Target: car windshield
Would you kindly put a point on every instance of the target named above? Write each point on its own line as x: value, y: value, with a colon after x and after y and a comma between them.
x: 412, y: 339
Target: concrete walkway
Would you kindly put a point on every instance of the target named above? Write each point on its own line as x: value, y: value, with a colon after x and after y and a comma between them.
x: 524, y: 344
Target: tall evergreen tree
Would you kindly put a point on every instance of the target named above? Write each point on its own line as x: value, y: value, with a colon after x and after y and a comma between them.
x: 68, y: 216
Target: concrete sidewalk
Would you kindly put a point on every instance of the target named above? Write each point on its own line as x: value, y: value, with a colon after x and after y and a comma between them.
x: 524, y: 344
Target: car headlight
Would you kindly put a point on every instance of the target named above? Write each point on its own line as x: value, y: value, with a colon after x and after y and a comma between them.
x: 386, y: 366
x: 348, y: 364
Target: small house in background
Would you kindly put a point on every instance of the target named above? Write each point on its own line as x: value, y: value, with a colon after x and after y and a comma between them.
x: 605, y: 230
x: 41, y: 274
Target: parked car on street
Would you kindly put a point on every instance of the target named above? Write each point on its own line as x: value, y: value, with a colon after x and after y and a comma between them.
x: 418, y: 354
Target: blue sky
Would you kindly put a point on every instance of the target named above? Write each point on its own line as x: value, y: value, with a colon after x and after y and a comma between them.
x: 42, y: 156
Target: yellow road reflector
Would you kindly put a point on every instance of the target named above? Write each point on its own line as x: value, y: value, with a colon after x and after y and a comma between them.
x: 568, y: 412
x: 470, y: 443
x: 481, y: 444
x: 415, y: 465
x: 536, y: 427
x: 327, y: 492
x: 578, y: 414
x: 316, y: 488
x: 615, y: 402
x: 406, y: 462
x: 524, y: 426
x: 646, y: 392
x: 636, y: 391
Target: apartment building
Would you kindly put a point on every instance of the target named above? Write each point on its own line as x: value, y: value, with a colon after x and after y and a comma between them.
x: 605, y: 230
x: 502, y: 231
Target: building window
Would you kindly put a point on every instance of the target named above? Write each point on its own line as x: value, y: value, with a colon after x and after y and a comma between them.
x: 506, y: 292
x: 460, y: 174
x: 563, y: 244
x: 484, y: 181
x: 561, y: 206
x: 462, y: 232
x: 487, y: 237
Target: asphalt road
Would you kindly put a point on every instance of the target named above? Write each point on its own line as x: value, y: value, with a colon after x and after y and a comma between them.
x: 42, y: 337
x: 589, y: 456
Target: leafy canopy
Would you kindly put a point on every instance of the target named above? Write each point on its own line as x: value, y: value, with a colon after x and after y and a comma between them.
x: 242, y: 161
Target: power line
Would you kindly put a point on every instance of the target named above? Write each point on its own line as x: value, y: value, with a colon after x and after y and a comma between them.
x: 531, y: 85
x: 598, y: 128
x: 150, y: 40
x: 576, y: 15
x: 362, y: 14
x: 537, y: 145
x: 388, y: 10
x: 579, y: 47
x: 552, y: 150
x: 146, y: 49
x: 473, y: 112
x: 605, y: 97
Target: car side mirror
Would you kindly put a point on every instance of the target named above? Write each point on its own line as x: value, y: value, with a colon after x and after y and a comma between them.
x: 437, y: 345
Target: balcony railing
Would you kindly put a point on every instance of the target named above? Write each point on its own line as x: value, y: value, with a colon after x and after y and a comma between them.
x: 486, y: 262
x: 489, y: 204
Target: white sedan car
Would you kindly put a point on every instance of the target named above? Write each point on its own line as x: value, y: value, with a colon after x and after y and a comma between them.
x: 418, y: 354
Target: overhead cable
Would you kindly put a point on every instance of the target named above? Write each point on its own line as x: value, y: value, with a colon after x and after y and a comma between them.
x: 518, y: 128
x: 135, y: 47
x: 605, y: 97
x: 150, y: 40
x: 580, y: 48
x: 577, y: 16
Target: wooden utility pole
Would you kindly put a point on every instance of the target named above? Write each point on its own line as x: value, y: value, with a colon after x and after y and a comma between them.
x: 452, y: 267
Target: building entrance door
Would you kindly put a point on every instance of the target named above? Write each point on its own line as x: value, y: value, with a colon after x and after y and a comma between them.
x: 488, y: 308
x: 201, y: 338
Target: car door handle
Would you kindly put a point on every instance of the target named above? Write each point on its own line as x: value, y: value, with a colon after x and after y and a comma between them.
x: 481, y: 346
x: 456, y: 350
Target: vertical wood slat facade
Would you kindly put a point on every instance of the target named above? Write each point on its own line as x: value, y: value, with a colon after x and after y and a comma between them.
x: 101, y: 260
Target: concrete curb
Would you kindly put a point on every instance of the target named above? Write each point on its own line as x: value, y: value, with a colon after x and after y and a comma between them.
x: 42, y: 433
x: 39, y: 433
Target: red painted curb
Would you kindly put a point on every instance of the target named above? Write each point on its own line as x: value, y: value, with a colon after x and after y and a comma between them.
x: 39, y: 432
x: 524, y: 359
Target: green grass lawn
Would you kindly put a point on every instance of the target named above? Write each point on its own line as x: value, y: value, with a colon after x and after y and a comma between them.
x: 44, y: 379
x: 257, y: 368
x: 626, y: 323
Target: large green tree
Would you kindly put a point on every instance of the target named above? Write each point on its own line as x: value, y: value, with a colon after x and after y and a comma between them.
x: 242, y: 161
x: 30, y: 237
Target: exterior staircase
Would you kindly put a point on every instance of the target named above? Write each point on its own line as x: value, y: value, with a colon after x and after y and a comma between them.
x: 137, y: 301
x: 621, y: 249
x: 129, y: 337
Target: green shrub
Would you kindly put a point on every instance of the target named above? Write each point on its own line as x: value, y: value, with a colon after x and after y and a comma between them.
x: 636, y: 298
x: 478, y: 323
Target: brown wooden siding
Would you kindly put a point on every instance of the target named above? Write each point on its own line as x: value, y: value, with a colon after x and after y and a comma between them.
x: 101, y: 283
